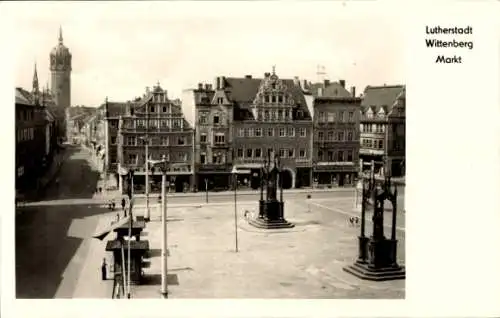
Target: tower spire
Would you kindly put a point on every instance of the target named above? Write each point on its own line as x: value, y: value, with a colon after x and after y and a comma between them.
x: 60, y: 35
x: 35, y: 80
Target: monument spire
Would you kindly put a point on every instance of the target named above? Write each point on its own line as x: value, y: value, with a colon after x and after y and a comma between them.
x: 60, y: 35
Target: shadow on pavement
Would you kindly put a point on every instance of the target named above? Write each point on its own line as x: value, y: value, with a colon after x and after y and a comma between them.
x: 44, y: 248
x: 155, y: 280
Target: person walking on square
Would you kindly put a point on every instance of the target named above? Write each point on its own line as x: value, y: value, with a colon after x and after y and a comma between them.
x: 123, y: 204
x: 103, y: 269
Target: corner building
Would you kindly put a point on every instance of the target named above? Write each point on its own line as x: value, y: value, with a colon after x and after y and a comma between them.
x: 383, y: 129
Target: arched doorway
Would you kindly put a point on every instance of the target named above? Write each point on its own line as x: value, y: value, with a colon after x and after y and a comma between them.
x: 287, y: 181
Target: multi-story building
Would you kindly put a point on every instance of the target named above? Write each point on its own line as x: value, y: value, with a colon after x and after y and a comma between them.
x: 208, y: 109
x: 330, y: 89
x: 336, y: 140
x: 60, y: 69
x: 158, y: 121
x: 383, y: 129
x: 240, y: 120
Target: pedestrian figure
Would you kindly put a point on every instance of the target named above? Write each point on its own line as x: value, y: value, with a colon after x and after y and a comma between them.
x: 117, y: 216
x: 123, y: 204
x: 100, y: 189
x: 113, y: 205
x: 103, y: 269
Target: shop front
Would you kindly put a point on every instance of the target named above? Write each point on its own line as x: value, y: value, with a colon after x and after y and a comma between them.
x: 335, y: 175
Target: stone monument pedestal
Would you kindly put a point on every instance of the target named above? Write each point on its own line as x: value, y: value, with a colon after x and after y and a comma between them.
x: 377, y: 260
x: 271, y: 216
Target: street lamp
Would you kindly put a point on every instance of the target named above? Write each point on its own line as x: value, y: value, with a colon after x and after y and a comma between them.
x: 235, y: 180
x: 130, y: 197
x: 162, y: 164
x: 146, y: 172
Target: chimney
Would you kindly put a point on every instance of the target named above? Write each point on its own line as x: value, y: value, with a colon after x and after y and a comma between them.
x: 304, y: 84
x: 248, y: 76
x: 200, y: 86
x: 353, y: 91
x: 296, y: 81
x: 207, y: 87
x: 327, y: 83
x: 222, y: 80
x: 147, y: 89
x: 267, y: 74
x: 320, y: 91
x: 216, y: 82
x: 342, y: 83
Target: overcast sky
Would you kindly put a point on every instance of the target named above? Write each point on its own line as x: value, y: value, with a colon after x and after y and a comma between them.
x: 119, y: 48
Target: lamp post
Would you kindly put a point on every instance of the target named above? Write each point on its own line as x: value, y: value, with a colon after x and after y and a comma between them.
x: 146, y: 172
x: 235, y: 180
x: 206, y: 190
x: 130, y: 195
x: 163, y: 167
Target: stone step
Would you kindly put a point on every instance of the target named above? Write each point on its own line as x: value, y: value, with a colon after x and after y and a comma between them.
x: 381, y: 274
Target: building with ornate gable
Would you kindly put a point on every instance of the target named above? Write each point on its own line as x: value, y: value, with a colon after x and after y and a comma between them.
x: 383, y: 114
x: 155, y: 119
x: 240, y: 120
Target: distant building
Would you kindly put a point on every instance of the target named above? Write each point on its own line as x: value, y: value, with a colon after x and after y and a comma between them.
x: 76, y: 117
x: 336, y: 140
x: 383, y: 129
x: 330, y: 89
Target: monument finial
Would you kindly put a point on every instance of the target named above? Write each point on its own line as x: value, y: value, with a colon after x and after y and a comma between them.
x: 60, y: 35
x: 274, y: 69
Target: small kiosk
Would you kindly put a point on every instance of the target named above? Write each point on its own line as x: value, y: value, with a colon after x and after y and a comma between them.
x: 137, y: 227
x: 137, y: 251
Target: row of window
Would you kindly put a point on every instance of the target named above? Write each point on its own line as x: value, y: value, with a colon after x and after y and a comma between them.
x: 162, y: 141
x: 331, y: 117
x: 372, y: 143
x: 337, y: 156
x: 25, y: 114
x: 217, y: 158
x: 257, y: 153
x: 335, y: 136
x: 203, y: 119
x: 269, y: 132
x: 25, y: 134
x: 133, y: 158
x: 372, y: 128
x: 176, y: 123
x: 275, y: 115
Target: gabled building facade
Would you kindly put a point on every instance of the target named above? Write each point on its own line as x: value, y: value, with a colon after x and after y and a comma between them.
x: 383, y: 112
x: 336, y: 140
x: 158, y: 121
x: 240, y: 120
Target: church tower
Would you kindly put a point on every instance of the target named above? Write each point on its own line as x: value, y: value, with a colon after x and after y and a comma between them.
x: 60, y: 69
x: 35, y: 88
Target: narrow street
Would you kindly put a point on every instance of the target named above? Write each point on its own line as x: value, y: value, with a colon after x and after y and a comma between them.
x: 51, y: 238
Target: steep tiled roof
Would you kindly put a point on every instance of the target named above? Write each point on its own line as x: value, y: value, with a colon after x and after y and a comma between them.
x: 23, y: 97
x: 333, y: 89
x: 242, y: 92
x: 376, y: 97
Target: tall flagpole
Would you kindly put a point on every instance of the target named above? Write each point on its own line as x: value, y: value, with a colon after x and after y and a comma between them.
x: 130, y: 230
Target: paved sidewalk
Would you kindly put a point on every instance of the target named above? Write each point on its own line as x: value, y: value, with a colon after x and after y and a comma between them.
x: 89, y: 283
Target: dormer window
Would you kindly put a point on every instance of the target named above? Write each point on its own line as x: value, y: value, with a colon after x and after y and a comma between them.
x: 220, y: 100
